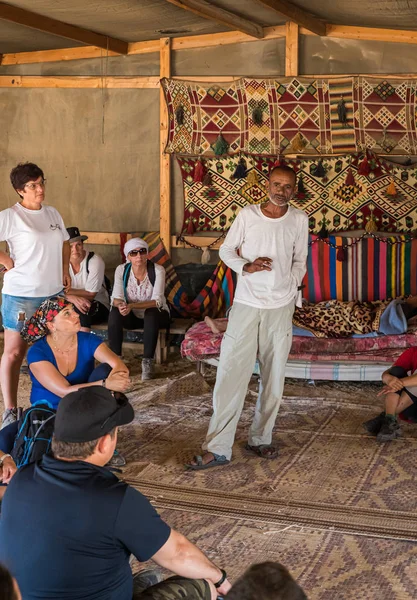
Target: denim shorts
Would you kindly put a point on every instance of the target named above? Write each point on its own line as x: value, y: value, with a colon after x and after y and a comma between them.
x: 13, y: 306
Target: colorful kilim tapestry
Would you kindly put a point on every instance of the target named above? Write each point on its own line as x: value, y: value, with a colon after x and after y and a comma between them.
x: 385, y: 115
x: 289, y: 109
x: 293, y: 115
x: 213, y: 300
x: 327, y: 200
x: 372, y: 270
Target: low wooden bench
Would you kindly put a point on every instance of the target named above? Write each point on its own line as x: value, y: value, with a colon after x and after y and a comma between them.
x: 177, y: 327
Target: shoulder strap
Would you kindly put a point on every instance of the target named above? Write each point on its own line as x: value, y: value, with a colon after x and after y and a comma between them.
x: 89, y: 257
x: 150, y: 266
x: 126, y: 272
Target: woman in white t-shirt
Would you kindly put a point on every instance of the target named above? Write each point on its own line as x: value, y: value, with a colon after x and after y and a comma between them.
x: 138, y: 300
x: 36, y: 269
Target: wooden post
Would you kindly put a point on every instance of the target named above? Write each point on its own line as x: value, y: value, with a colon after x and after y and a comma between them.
x: 291, y: 49
x: 165, y: 171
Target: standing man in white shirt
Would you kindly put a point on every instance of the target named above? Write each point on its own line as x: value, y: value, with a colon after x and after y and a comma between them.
x: 88, y: 292
x: 267, y: 246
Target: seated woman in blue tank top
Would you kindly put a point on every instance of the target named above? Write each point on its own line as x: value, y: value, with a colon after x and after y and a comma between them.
x: 62, y: 360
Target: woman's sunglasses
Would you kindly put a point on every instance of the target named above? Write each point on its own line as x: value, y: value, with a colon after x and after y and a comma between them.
x: 136, y: 252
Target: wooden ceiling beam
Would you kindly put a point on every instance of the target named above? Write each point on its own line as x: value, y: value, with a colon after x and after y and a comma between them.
x: 219, y: 15
x: 209, y: 40
x: 349, y: 32
x: 82, y: 82
x: 296, y: 14
x: 58, y: 28
x: 63, y: 54
x: 148, y: 47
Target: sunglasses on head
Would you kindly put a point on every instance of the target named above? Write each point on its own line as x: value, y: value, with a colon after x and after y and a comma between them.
x: 136, y: 252
x: 122, y: 401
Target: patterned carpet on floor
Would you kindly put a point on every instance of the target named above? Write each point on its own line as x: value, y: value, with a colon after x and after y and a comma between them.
x: 336, y: 507
x: 327, y: 564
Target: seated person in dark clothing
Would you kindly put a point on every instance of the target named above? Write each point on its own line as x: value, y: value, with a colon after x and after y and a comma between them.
x: 68, y: 525
x: 400, y: 398
x: 88, y: 292
x: 138, y: 301
x: 9, y: 590
x: 266, y: 581
x: 62, y: 360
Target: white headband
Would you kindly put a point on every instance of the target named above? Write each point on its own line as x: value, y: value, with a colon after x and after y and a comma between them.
x: 134, y: 244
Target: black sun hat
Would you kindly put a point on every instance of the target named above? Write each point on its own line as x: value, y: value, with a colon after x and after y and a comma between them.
x: 90, y: 413
x: 75, y: 235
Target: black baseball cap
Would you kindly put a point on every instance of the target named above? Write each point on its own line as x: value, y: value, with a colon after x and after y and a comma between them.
x: 90, y: 413
x: 75, y: 235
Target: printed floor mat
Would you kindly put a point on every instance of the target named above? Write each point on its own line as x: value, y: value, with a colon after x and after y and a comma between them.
x: 329, y: 472
x: 329, y: 565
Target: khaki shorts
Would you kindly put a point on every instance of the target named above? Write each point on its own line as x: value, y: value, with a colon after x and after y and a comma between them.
x: 177, y: 588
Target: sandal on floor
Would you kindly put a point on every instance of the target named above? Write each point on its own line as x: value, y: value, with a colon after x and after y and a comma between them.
x: 217, y: 461
x: 264, y: 450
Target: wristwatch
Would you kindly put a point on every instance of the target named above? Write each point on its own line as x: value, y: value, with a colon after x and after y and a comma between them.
x: 2, y: 458
x: 222, y: 580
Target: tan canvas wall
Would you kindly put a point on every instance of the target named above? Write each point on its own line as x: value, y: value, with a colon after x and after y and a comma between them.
x: 335, y: 56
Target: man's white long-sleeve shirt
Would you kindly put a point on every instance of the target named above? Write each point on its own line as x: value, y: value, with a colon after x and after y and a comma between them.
x: 284, y: 240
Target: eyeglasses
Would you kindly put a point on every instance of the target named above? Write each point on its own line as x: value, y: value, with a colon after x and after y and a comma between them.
x: 32, y: 186
x: 136, y: 252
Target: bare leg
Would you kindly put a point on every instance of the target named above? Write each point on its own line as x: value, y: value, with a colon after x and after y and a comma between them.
x: 391, y: 402
x: 3, y: 489
x: 404, y: 402
x: 394, y: 404
x: 14, y: 352
x: 216, y: 325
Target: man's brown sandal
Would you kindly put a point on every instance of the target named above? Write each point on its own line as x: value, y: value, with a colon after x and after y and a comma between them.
x: 264, y: 450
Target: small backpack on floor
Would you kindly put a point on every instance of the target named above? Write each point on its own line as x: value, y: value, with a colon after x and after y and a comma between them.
x: 34, y: 433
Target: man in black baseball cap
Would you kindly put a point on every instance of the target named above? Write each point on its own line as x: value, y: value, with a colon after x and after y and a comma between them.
x: 72, y: 515
x: 88, y: 415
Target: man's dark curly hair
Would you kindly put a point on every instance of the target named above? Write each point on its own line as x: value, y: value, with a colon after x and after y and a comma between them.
x: 23, y: 173
x: 266, y: 581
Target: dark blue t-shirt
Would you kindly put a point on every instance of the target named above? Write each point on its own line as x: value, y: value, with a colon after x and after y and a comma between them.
x: 67, y: 530
x: 87, y: 345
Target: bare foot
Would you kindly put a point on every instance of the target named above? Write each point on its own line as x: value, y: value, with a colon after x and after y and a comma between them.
x: 215, y: 325
x: 207, y: 457
x: 412, y: 301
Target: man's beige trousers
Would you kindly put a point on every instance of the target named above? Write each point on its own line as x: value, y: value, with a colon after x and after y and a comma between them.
x: 251, y: 333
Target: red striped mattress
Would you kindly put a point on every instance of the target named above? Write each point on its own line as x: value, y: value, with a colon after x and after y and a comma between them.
x: 200, y: 343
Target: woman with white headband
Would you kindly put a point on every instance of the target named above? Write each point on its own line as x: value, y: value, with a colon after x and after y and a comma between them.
x: 138, y: 302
